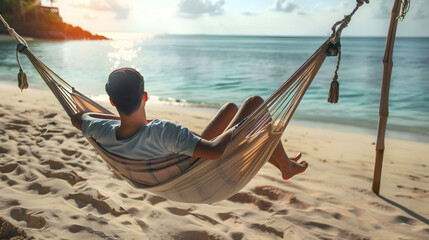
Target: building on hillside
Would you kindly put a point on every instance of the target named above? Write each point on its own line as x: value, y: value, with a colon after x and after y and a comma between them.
x: 54, y: 10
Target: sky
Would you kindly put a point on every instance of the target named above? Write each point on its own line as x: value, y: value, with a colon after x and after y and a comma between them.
x: 240, y: 17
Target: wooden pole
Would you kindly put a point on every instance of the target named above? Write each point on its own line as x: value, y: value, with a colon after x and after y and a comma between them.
x: 384, y: 99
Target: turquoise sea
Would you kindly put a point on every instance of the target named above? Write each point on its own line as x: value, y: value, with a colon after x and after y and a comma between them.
x: 207, y: 71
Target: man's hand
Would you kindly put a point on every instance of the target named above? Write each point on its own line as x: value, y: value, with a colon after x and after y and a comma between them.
x: 77, y: 120
x: 213, y: 150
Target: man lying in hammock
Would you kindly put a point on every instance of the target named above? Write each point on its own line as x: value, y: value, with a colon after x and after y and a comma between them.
x: 133, y: 136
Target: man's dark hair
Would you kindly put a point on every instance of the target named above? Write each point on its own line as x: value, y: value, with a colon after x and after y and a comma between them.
x: 125, y: 87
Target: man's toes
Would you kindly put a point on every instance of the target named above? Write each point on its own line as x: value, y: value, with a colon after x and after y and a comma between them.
x: 295, y: 159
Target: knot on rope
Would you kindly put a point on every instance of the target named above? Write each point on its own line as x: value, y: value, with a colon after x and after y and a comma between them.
x: 361, y: 2
x: 20, y: 47
x: 333, y: 49
x: 22, y: 77
x: 22, y: 80
x: 405, y: 6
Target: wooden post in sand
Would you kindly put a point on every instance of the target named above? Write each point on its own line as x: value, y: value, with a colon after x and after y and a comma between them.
x: 384, y: 100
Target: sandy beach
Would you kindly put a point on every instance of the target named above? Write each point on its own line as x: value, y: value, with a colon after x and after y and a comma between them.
x: 54, y: 185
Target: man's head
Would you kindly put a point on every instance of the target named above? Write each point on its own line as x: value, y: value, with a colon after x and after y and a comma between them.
x: 125, y: 88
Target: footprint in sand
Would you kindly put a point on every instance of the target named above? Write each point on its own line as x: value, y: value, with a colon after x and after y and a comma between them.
x: 8, y: 168
x: 9, y: 182
x: 237, y: 235
x: 100, y: 220
x: 70, y: 177
x: 6, y: 203
x: 247, y: 197
x: 21, y: 151
x: 41, y: 190
x: 267, y: 229
x: 225, y: 216
x: 156, y: 199
x: 102, y: 207
x: 77, y: 165
x: 83, y: 142
x: 195, y: 235
x: 364, y: 191
x: 70, y: 134
x: 21, y: 122
x: 68, y: 152
x: 20, y: 214
x: 271, y: 192
x: 75, y: 228
x: 382, y: 207
x: 184, y: 212
x: 51, y: 115
x: 46, y: 136
x: 142, y: 225
x: 54, y: 165
x: 230, y: 217
x: 3, y: 150
x: 16, y: 127
x: 29, y: 176
x: 274, y: 193
x: 406, y: 220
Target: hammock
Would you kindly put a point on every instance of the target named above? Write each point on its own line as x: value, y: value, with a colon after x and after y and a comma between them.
x: 251, y: 146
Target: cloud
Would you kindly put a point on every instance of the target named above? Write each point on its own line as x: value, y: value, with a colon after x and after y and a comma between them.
x: 418, y: 9
x: 422, y: 11
x: 382, y: 10
x: 249, y: 13
x: 89, y: 17
x: 196, y: 8
x: 121, y: 9
x: 286, y: 6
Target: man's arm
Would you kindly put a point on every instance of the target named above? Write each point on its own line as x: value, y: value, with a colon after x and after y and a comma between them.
x: 213, y: 150
x: 78, y: 118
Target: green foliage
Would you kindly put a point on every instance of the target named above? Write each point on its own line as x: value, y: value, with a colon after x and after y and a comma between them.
x: 8, y: 6
x: 51, y: 17
x: 11, y: 6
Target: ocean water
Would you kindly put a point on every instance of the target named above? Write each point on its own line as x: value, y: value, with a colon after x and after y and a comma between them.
x: 207, y: 71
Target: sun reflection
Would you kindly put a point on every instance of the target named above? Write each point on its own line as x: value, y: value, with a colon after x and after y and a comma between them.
x: 124, y: 50
x: 125, y: 47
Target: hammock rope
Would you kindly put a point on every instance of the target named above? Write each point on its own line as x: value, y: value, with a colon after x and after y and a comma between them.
x: 250, y: 147
x: 405, y: 7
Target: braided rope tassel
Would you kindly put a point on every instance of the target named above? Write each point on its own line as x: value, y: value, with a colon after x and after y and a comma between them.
x: 22, y: 77
x: 334, y: 89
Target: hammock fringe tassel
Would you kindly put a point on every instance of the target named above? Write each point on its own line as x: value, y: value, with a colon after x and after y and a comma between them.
x: 337, y: 29
x: 22, y: 77
x: 334, y: 91
x: 22, y: 80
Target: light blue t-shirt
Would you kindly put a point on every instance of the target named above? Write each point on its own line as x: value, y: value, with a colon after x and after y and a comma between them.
x: 157, y: 139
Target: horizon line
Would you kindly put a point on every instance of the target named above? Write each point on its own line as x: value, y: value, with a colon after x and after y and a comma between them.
x: 254, y: 35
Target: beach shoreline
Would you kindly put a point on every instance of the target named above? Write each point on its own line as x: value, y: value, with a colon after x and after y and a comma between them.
x: 211, y: 109
x: 53, y: 185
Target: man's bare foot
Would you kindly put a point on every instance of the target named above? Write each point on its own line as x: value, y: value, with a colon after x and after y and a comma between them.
x: 295, y: 168
x: 295, y: 159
